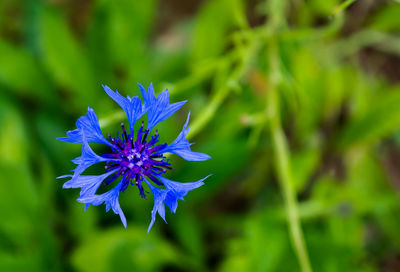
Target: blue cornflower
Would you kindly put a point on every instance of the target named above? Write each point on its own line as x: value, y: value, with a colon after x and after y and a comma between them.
x: 135, y: 159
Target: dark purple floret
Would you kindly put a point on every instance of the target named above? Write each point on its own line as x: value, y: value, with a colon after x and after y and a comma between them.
x: 136, y: 158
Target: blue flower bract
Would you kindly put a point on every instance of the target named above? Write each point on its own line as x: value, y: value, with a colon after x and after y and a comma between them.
x: 135, y: 157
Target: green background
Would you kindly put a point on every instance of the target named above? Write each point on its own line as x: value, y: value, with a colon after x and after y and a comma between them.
x: 334, y: 68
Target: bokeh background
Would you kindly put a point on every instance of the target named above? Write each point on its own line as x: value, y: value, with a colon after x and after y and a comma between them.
x: 334, y: 67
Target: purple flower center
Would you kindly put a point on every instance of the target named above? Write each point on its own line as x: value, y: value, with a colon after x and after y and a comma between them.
x: 136, y: 159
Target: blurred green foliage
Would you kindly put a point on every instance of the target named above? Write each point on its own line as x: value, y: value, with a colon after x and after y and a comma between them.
x: 339, y: 94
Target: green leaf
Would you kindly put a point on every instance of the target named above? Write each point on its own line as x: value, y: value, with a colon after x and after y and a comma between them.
x: 343, y: 6
x: 64, y: 58
x: 209, y: 37
x: 13, y: 60
x: 379, y: 120
x: 128, y: 26
x: 124, y: 250
x: 387, y: 18
x: 188, y: 230
x: 304, y: 164
x: 311, y: 99
x: 11, y: 262
x: 18, y: 196
x: 262, y: 246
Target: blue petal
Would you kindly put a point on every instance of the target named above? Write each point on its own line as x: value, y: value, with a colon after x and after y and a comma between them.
x: 159, y: 197
x: 88, y: 158
x: 88, y: 184
x: 131, y: 105
x: 110, y: 199
x: 158, y: 109
x: 177, y: 190
x: 169, y: 196
x: 89, y: 124
x: 148, y: 96
x: 181, y: 146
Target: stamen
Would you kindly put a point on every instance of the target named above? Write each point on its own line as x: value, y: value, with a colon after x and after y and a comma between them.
x: 141, y: 191
x: 140, y: 132
x: 111, y: 165
x: 142, y: 148
x: 145, y: 135
x: 136, y: 158
x: 162, y: 162
x: 125, y: 181
x: 112, y: 177
x: 124, y: 131
x: 110, y: 156
x: 154, y: 179
x: 154, y: 139
x: 169, y: 168
x: 114, y: 145
x: 157, y: 148
x: 160, y: 169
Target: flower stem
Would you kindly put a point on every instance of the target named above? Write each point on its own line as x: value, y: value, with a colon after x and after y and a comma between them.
x: 282, y: 163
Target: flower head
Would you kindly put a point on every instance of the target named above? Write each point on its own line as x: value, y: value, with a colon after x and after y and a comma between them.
x: 135, y: 158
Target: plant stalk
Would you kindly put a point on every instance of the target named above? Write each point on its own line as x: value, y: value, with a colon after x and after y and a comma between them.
x: 282, y: 163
